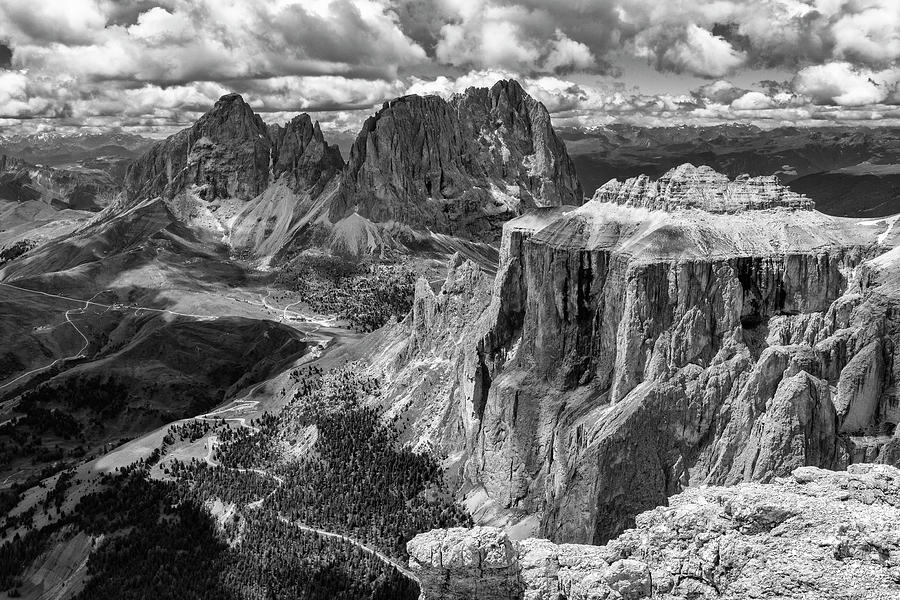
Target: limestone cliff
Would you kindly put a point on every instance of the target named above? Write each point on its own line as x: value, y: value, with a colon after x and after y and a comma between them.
x: 630, y: 351
x: 701, y: 187
x: 459, y: 167
x: 815, y: 534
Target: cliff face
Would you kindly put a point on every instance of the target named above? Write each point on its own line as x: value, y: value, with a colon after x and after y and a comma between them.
x: 628, y: 353
x: 230, y: 153
x: 815, y: 534
x: 459, y: 167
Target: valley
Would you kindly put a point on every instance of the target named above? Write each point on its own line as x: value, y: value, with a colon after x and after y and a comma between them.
x: 259, y: 370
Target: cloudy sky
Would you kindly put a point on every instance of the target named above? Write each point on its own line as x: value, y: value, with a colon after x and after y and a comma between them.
x: 154, y: 65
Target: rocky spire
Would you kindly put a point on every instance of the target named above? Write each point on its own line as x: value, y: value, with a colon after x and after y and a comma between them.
x: 301, y: 154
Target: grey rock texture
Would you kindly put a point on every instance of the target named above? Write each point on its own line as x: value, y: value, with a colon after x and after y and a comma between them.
x: 626, y: 354
x: 230, y: 153
x: 815, y: 534
x: 459, y: 167
x: 687, y: 186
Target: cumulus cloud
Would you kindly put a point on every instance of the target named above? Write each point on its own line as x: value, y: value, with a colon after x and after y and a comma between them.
x: 845, y: 85
x: 208, y: 39
x: 692, y: 49
x: 568, y: 55
x: 752, y: 101
x: 482, y: 35
x: 158, y: 63
x: 709, y: 38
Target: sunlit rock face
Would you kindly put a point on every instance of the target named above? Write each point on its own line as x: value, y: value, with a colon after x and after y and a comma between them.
x: 627, y: 353
x: 701, y: 187
x: 814, y: 534
x: 461, y: 166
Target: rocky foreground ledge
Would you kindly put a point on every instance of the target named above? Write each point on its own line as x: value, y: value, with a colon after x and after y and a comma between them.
x: 816, y: 534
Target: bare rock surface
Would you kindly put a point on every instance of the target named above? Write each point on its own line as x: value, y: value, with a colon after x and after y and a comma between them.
x: 624, y: 354
x: 814, y: 534
x: 231, y: 153
x: 421, y: 168
x: 687, y: 186
x: 459, y: 167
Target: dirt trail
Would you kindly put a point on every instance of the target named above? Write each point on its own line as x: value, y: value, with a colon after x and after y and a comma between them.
x: 403, y: 569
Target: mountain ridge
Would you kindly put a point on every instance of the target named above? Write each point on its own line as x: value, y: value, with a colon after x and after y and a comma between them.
x: 457, y: 167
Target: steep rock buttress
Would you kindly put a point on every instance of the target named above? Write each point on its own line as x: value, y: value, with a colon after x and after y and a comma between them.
x: 643, y: 343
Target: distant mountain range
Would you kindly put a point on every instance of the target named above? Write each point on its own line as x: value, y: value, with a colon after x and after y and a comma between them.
x: 258, y: 343
x: 54, y: 149
x: 827, y: 163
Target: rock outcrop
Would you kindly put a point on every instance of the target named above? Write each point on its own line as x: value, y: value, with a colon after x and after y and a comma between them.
x: 420, y: 168
x: 627, y: 353
x: 231, y: 153
x: 459, y: 167
x: 701, y: 187
x: 815, y: 534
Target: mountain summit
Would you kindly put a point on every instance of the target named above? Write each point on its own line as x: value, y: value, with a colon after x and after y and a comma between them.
x: 456, y: 166
x: 231, y: 153
x: 460, y: 167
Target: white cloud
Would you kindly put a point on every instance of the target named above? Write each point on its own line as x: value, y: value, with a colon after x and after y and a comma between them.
x: 752, y: 101
x: 694, y: 50
x: 566, y: 54
x: 210, y: 39
x: 72, y: 22
x: 869, y: 31
x: 156, y: 63
x: 842, y: 84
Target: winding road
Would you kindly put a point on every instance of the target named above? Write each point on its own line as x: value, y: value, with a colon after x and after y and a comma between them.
x: 77, y: 355
x: 110, y: 306
x: 404, y: 570
x: 88, y: 303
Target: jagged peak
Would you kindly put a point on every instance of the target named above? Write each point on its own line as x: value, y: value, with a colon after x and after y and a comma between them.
x: 230, y: 104
x: 230, y: 98
x: 493, y: 146
x: 689, y: 186
x: 231, y: 152
x: 509, y: 88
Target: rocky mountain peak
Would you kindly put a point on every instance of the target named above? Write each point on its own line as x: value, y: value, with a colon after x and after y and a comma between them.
x: 301, y: 154
x: 458, y: 166
x: 231, y: 153
x: 688, y: 186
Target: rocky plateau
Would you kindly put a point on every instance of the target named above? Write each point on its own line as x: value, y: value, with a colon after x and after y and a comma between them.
x: 649, y: 342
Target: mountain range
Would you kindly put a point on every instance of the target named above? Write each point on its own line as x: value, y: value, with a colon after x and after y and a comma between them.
x: 438, y: 367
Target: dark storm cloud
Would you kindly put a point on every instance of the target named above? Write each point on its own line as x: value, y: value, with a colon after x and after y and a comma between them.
x: 5, y: 56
